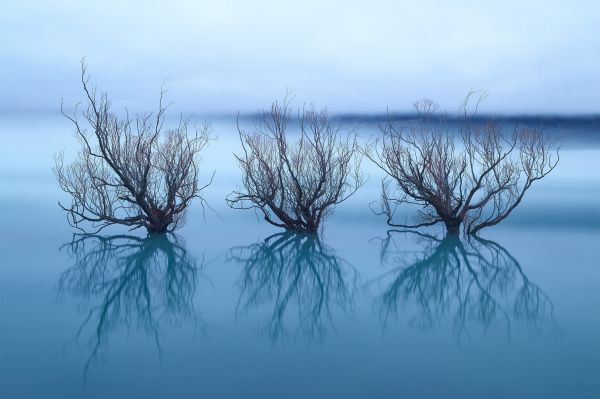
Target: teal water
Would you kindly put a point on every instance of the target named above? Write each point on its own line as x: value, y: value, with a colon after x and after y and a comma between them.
x: 233, y: 307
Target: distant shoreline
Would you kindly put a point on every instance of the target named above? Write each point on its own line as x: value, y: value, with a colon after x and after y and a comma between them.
x: 546, y: 119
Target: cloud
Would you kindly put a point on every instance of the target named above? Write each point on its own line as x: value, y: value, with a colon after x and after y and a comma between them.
x: 352, y: 56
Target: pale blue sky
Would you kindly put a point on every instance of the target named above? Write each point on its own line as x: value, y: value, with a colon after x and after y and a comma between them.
x: 351, y: 56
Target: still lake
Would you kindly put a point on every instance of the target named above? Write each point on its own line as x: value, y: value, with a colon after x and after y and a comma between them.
x: 232, y: 307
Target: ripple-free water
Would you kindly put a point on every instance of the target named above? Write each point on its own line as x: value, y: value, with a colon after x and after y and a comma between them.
x: 233, y: 307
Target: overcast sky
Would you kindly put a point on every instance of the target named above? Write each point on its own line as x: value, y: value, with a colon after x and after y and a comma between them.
x: 351, y: 56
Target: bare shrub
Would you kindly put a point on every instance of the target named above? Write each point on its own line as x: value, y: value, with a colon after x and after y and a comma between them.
x: 129, y: 171
x: 296, y: 186
x: 473, y: 176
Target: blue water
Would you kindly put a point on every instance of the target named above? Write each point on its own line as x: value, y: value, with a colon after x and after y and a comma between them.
x: 233, y: 307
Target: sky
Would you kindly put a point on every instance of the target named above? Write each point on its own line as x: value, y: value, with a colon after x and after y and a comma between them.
x: 221, y: 57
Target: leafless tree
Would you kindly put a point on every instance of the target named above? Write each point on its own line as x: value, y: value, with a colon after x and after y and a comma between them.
x: 473, y: 176
x: 295, y: 271
x: 296, y: 186
x: 128, y: 170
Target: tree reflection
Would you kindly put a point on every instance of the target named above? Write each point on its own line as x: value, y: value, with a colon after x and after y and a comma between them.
x: 289, y: 270
x: 475, y: 282
x: 130, y: 282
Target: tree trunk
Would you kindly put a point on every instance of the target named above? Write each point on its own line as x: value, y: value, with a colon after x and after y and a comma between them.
x: 159, y: 223
x: 452, y: 225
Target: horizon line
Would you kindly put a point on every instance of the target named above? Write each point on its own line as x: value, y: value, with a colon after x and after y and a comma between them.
x: 589, y: 117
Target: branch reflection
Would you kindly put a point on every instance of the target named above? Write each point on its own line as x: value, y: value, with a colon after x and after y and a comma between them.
x: 130, y: 282
x: 289, y: 270
x: 475, y: 282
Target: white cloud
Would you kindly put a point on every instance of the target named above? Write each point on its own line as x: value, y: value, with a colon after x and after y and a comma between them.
x: 351, y: 56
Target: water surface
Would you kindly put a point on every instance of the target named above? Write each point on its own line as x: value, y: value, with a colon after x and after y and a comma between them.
x: 233, y: 307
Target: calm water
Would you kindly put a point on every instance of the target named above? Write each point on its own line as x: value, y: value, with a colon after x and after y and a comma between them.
x: 233, y: 307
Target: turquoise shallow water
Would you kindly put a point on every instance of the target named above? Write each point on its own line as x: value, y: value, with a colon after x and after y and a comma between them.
x: 232, y: 307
